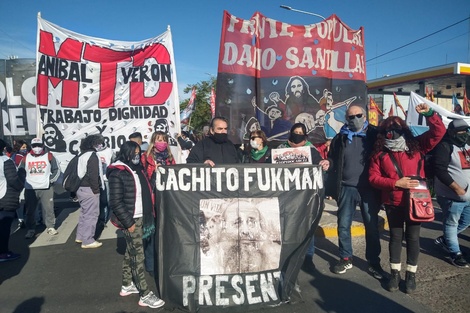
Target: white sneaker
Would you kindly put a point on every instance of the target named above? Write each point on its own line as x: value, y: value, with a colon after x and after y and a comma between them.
x: 52, y: 231
x: 94, y: 244
x: 126, y: 291
x: 151, y: 300
x: 30, y: 234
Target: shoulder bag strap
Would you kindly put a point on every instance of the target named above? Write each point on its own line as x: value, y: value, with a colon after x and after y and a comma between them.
x: 395, y: 163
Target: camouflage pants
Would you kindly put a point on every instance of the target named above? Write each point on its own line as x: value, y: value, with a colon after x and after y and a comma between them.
x: 133, y: 264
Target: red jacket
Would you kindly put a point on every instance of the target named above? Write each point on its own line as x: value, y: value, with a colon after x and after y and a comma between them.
x: 149, y: 164
x: 382, y: 172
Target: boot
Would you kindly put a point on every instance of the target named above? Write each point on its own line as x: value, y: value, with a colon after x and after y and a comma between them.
x: 410, y: 282
x: 394, y: 280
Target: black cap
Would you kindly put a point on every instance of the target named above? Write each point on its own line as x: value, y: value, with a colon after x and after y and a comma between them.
x: 458, y: 125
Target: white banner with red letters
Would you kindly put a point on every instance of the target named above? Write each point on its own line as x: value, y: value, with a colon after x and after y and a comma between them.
x: 88, y: 85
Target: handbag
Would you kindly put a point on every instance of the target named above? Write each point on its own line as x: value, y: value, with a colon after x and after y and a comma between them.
x: 420, y: 207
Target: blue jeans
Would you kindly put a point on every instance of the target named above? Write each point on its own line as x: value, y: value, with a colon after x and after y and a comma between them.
x: 368, y: 201
x: 455, y: 220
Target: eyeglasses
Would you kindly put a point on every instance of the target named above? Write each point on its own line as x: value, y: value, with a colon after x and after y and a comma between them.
x: 351, y: 117
x: 253, y: 137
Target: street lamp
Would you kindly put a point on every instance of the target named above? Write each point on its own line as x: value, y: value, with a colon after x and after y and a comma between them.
x: 300, y: 11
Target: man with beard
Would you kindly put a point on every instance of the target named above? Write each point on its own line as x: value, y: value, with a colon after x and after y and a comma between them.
x: 53, y: 138
x: 299, y: 99
x: 244, y: 245
x: 215, y: 148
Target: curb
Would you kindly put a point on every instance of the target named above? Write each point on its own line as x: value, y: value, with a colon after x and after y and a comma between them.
x: 328, y: 226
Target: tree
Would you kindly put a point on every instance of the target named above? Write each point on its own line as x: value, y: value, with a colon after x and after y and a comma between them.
x: 202, y: 114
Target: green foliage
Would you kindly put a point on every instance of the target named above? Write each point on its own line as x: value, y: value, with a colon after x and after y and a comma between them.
x: 202, y: 115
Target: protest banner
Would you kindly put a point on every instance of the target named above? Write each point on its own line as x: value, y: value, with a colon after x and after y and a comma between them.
x: 272, y: 74
x: 234, y: 236
x: 88, y: 85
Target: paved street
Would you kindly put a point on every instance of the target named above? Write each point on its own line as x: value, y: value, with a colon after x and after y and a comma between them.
x: 55, y: 275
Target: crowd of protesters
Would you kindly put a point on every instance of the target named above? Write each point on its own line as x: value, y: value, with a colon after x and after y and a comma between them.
x: 359, y: 159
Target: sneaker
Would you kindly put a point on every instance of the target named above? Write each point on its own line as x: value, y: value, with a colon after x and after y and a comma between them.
x: 459, y: 261
x: 74, y: 199
x: 342, y: 266
x: 78, y: 241
x: 52, y: 231
x: 94, y: 244
x: 151, y: 301
x: 126, y: 291
x: 376, y: 271
x: 30, y: 234
x: 9, y: 256
x: 441, y: 242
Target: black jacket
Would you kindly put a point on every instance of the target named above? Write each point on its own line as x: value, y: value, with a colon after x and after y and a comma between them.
x: 219, y: 153
x: 14, y: 186
x: 122, y: 194
x: 336, y: 158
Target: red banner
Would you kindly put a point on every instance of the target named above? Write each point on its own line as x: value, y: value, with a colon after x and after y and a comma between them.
x: 272, y: 74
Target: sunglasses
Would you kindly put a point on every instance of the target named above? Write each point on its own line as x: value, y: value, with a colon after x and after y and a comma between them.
x: 351, y: 117
x: 35, y: 145
x: 253, y: 137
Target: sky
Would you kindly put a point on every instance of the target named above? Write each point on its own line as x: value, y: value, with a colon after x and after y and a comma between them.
x: 196, y: 28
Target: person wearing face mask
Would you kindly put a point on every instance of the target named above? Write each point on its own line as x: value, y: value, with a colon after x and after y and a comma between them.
x: 396, y: 142
x: 42, y: 170
x: 258, y: 151
x: 216, y: 148
x: 132, y: 203
x: 451, y: 161
x: 348, y: 184
x: 88, y: 194
x: 157, y: 154
x: 298, y: 138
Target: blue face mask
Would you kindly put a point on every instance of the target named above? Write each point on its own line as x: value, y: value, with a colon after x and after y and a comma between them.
x: 23, y: 151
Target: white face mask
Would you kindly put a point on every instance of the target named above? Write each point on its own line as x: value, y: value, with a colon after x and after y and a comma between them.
x: 254, y: 144
x: 37, y: 150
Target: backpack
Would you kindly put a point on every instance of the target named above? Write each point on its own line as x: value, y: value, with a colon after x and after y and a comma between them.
x: 72, y: 181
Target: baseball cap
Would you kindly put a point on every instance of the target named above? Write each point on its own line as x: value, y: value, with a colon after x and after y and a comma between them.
x: 458, y: 125
x: 36, y: 141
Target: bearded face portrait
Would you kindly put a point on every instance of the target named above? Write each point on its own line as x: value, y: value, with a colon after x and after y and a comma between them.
x: 240, y: 239
x: 53, y: 138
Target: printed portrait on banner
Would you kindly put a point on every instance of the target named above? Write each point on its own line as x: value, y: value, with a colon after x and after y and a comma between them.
x: 273, y: 74
x: 88, y: 85
x: 239, y: 235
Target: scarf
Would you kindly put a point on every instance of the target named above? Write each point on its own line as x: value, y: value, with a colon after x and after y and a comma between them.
x: 396, y: 145
x: 350, y: 134
x: 160, y: 157
x: 257, y: 154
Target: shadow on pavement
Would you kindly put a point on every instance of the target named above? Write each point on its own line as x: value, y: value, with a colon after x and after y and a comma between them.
x: 33, y: 305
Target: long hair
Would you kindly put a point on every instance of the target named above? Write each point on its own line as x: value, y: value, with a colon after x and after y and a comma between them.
x: 397, y: 123
x: 155, y: 135
x: 258, y: 133
x: 127, y: 151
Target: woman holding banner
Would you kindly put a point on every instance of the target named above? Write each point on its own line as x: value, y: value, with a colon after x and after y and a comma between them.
x: 258, y: 151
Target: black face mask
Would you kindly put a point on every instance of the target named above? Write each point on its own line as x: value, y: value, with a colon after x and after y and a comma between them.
x: 220, y: 138
x: 459, y: 139
x: 296, y: 138
x: 394, y: 133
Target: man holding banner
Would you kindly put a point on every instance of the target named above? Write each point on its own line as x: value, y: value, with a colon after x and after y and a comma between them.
x: 216, y: 148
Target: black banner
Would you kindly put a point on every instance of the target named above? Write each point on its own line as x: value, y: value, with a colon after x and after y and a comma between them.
x: 234, y: 236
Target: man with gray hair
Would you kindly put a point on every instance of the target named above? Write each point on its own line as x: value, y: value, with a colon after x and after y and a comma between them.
x: 348, y: 184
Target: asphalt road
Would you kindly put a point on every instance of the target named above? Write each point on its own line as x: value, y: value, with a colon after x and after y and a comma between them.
x: 57, y: 276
